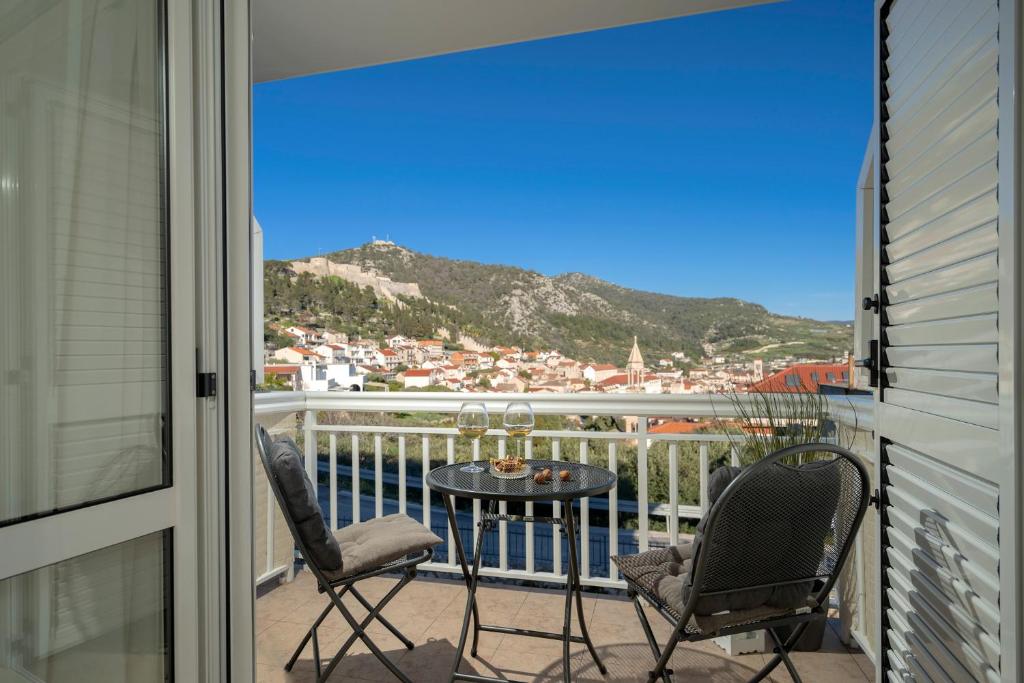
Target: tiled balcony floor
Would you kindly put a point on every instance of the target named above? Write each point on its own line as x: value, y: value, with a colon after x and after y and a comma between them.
x: 429, y: 612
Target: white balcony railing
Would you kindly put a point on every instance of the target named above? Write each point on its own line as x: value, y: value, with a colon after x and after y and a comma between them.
x: 522, y: 550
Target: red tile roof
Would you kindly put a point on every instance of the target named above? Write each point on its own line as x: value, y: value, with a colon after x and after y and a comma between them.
x: 280, y: 369
x: 618, y: 380
x: 388, y: 353
x: 302, y: 352
x: 676, y: 428
x: 805, y: 377
x: 419, y: 373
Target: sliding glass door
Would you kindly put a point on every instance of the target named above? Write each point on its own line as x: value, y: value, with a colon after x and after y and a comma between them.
x: 97, y: 404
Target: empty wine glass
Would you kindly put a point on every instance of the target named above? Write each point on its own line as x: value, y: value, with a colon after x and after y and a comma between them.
x: 518, y: 422
x: 472, y: 422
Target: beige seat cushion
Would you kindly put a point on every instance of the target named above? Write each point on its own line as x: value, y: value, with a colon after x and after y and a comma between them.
x: 372, y: 544
x: 663, y: 573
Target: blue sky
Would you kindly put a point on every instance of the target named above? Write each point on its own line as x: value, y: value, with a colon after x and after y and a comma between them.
x: 713, y: 155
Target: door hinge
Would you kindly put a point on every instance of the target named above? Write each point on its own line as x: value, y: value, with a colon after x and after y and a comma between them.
x: 870, y: 363
x: 206, y: 384
x: 875, y: 501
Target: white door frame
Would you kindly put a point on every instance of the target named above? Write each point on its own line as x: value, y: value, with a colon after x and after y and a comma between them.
x: 53, y: 538
x: 224, y: 317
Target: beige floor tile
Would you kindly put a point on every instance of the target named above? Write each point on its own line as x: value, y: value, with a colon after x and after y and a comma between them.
x: 449, y: 628
x: 867, y: 667
x: 429, y: 612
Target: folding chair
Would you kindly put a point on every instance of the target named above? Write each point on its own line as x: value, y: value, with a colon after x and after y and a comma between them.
x: 765, y: 557
x: 395, y: 543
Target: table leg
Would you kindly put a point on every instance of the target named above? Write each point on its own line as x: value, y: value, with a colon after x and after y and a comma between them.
x: 567, y: 623
x: 472, y: 580
x: 461, y: 553
x: 574, y: 584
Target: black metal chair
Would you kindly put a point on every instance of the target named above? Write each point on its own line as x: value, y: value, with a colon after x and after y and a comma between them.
x: 765, y: 557
x: 395, y: 543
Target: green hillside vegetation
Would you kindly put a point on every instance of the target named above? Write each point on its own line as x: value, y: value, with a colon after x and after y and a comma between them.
x: 582, y: 316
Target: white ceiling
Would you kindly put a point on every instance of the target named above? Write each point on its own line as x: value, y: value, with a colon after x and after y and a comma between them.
x: 302, y: 37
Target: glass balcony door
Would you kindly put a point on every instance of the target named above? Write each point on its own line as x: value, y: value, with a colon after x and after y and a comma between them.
x: 97, y: 405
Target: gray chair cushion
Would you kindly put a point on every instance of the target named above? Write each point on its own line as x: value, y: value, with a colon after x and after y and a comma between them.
x: 372, y: 544
x: 302, y: 505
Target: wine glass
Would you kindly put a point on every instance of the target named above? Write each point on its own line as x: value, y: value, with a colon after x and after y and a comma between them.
x: 472, y: 422
x: 518, y: 422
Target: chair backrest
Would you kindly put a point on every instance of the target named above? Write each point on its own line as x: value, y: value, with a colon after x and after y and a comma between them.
x: 299, y: 507
x: 779, y: 524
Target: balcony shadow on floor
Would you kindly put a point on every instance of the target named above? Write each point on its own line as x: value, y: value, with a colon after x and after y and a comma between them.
x: 431, y: 662
x: 629, y: 663
x: 427, y: 663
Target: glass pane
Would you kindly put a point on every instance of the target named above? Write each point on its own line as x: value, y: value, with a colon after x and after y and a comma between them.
x: 83, y: 226
x: 99, y: 617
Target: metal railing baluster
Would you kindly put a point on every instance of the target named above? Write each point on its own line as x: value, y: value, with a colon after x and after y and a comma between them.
x: 613, y: 514
x: 476, y: 502
x: 378, y: 478
x: 502, y: 524
x: 332, y: 487
x: 673, y: 493
x: 452, y: 559
x: 556, y: 512
x: 704, y: 464
x: 584, y: 520
x: 356, y: 490
x: 643, y: 523
x: 529, y: 525
x: 425, y: 467
x: 401, y: 475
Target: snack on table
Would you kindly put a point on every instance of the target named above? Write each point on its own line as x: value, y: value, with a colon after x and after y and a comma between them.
x: 508, y: 465
x: 564, y: 475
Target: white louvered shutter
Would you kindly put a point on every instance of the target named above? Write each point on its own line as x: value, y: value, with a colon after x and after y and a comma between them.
x: 941, y: 457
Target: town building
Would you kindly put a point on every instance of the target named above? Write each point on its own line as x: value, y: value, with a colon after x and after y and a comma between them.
x: 804, y: 377
x: 297, y: 355
x: 419, y: 378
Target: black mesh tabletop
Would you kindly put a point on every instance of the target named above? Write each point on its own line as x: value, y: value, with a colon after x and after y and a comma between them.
x: 584, y: 480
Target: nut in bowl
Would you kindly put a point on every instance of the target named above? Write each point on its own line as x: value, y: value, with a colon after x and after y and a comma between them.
x: 509, y: 468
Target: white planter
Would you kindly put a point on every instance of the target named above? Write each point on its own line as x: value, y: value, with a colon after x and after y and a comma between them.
x: 742, y: 643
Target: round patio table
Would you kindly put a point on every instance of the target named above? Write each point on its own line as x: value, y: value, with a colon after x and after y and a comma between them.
x: 584, y: 481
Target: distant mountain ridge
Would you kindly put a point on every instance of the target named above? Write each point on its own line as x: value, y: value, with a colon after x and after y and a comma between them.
x: 381, y: 288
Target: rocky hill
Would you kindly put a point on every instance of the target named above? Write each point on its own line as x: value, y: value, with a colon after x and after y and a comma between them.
x: 381, y: 288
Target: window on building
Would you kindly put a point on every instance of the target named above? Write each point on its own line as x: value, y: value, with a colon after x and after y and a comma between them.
x: 792, y: 380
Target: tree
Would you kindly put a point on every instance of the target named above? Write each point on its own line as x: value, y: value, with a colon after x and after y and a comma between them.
x: 274, y: 382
